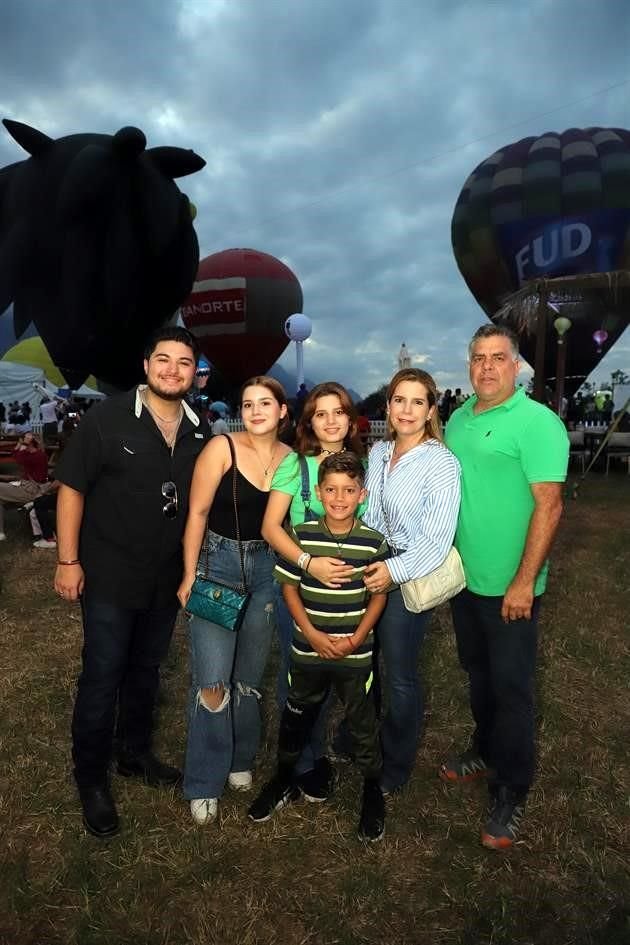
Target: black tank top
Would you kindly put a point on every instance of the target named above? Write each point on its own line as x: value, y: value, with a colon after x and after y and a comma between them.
x: 252, y: 503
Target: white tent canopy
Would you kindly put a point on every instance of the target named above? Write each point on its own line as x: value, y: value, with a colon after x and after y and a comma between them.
x: 16, y: 383
x: 83, y: 391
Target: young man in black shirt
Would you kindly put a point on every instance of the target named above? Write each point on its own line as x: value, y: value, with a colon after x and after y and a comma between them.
x: 121, y: 511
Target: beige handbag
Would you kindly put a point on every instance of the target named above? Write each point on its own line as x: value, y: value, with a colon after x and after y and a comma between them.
x: 435, y: 588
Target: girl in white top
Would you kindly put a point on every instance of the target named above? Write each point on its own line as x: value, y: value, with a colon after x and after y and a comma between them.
x: 413, y: 485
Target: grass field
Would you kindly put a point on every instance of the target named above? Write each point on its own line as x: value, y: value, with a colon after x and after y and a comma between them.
x: 304, y: 878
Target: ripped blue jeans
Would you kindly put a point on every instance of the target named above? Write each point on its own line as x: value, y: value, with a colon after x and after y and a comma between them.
x: 226, y: 739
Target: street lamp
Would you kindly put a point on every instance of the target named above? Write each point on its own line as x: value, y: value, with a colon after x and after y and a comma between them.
x: 298, y: 328
x: 562, y: 325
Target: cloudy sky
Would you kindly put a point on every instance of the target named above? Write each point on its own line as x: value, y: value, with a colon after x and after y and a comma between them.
x: 337, y: 134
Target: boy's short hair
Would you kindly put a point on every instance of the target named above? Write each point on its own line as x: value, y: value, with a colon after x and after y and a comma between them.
x: 343, y: 462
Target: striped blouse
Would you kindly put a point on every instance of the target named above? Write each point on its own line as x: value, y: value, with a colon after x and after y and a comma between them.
x: 421, y: 503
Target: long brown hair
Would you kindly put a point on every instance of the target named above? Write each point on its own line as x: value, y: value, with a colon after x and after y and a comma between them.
x: 432, y: 427
x: 306, y: 443
x: 275, y: 388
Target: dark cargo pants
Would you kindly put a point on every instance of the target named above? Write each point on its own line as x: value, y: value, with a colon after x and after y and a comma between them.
x: 308, y: 689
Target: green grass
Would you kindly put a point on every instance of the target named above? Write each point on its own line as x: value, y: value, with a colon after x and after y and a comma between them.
x: 303, y: 877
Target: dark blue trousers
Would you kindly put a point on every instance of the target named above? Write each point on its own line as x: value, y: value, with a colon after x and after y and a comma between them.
x: 500, y: 659
x: 122, y: 652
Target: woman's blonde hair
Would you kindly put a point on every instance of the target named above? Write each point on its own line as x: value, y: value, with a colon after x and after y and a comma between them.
x: 432, y: 427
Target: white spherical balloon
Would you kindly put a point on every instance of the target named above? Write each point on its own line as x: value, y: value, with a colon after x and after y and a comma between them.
x: 298, y: 327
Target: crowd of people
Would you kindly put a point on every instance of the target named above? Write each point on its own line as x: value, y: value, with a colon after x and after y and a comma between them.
x: 322, y: 535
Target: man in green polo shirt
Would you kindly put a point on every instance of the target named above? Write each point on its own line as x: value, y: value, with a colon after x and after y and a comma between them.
x: 513, y: 453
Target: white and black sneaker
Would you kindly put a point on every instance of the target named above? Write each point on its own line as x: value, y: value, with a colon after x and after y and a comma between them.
x: 318, y: 785
x: 275, y: 795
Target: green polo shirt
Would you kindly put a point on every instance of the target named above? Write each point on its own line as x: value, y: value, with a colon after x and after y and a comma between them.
x: 502, y: 452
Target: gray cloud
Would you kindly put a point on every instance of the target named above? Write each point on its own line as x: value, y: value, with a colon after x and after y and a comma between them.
x: 337, y: 136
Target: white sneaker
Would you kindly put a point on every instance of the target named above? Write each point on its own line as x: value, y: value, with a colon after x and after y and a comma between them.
x: 204, y: 809
x: 240, y: 780
x: 3, y: 537
x: 44, y: 543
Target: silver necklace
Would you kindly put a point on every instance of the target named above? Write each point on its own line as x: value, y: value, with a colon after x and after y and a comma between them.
x: 169, y: 435
x: 339, y: 540
x: 269, y: 464
x: 398, y: 454
x: 163, y: 419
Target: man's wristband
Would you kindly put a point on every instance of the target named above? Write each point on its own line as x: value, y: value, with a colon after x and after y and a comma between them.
x: 75, y: 561
x: 303, y: 560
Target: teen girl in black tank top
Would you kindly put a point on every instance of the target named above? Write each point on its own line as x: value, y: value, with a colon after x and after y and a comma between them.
x: 227, y: 668
x: 252, y: 503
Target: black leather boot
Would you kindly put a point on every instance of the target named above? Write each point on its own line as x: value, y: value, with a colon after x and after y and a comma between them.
x: 99, y: 811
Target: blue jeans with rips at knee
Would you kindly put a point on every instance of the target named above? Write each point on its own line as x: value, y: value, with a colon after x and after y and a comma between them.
x: 227, y: 739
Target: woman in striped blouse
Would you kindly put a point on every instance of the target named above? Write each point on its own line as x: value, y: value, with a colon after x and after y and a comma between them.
x: 413, y: 487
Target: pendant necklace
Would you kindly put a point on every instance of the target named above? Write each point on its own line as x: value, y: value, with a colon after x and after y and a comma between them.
x: 269, y: 464
x: 339, y: 540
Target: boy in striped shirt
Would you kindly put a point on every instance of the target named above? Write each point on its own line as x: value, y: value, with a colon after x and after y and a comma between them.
x: 332, y: 642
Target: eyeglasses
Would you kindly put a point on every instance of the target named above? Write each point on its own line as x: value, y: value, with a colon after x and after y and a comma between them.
x: 169, y: 491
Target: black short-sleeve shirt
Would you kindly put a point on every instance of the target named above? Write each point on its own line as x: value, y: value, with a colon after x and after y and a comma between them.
x: 130, y: 551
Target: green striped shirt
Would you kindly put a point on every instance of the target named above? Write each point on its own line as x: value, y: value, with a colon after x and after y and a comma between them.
x: 337, y: 611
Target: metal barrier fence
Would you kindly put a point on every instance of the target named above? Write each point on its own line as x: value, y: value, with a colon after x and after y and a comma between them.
x: 378, y: 428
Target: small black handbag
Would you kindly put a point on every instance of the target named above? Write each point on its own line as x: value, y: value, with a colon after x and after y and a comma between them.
x: 219, y: 603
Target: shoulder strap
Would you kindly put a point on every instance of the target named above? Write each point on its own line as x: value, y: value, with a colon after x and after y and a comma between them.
x: 305, y: 492
x: 235, y: 501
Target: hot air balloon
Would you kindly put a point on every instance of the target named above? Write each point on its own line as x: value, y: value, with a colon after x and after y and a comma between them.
x: 97, y: 246
x: 8, y: 338
x: 237, y: 310
x: 544, y: 208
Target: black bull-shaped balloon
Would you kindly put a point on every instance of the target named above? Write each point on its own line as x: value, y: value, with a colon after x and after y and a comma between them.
x: 97, y: 246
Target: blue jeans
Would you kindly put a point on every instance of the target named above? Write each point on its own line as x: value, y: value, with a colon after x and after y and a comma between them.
x: 316, y: 745
x: 122, y: 652
x: 400, y: 635
x: 226, y: 739
x: 500, y: 659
